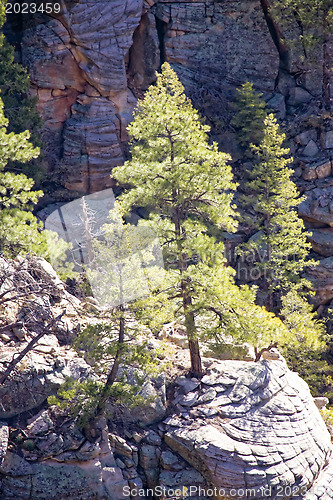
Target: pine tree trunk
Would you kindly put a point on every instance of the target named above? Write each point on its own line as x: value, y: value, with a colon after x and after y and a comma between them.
x: 196, y: 366
x: 114, y: 370
x: 193, y: 343
x: 267, y: 230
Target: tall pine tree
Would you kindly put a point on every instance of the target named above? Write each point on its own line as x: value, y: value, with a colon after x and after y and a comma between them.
x: 186, y: 183
x: 19, y: 230
x: 249, y: 117
x: 281, y: 246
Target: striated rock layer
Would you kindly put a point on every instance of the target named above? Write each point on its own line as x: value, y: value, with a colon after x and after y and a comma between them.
x: 77, y: 68
x: 89, y: 64
x: 252, y: 426
x: 84, y: 64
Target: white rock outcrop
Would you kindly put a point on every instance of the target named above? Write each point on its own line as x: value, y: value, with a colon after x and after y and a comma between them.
x: 252, y: 426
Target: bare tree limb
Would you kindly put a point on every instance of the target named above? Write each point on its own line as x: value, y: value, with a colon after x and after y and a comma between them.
x: 28, y: 347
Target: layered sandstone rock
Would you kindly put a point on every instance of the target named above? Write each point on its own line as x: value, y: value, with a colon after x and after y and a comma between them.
x: 69, y: 466
x: 252, y: 426
x: 82, y: 65
x: 77, y: 69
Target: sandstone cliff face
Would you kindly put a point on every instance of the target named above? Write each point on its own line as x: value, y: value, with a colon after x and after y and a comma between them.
x: 88, y: 65
x: 77, y: 68
x: 85, y: 65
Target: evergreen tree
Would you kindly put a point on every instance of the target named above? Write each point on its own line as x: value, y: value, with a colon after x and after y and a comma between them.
x: 250, y: 113
x: 187, y: 184
x: 307, y: 351
x: 281, y: 247
x: 19, y: 109
x: 116, y: 261
x: 19, y: 230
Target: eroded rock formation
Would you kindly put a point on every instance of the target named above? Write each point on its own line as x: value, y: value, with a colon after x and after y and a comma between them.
x: 251, y: 425
x: 245, y: 427
x: 88, y: 64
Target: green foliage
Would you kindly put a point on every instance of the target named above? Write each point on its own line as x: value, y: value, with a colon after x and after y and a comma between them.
x: 56, y: 252
x: 122, y: 265
x: 327, y: 414
x: 77, y: 398
x: 186, y: 183
x: 170, y: 152
x: 305, y: 353
x: 311, y: 365
x: 116, y: 348
x: 280, y: 248
x: 300, y: 319
x: 230, y: 312
x: 250, y: 113
x: 2, y: 16
x: 313, y: 16
x: 19, y: 230
x: 14, y: 146
x: 99, y: 346
x: 19, y: 109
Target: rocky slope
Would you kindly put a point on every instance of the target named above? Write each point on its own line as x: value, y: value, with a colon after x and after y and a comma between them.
x: 244, y: 426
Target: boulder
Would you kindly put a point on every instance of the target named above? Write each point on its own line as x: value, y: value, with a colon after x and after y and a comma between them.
x: 37, y: 376
x: 322, y: 241
x: 278, y: 103
x: 267, y: 432
x: 316, y: 208
x: 82, y: 471
x: 309, y: 173
x: 321, y: 277
x: 4, y: 434
x: 153, y: 392
x: 327, y: 139
x: 311, y: 149
x: 298, y: 96
x: 324, y: 169
x: 305, y: 137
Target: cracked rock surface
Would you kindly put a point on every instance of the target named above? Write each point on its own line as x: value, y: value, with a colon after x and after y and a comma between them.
x: 258, y: 428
